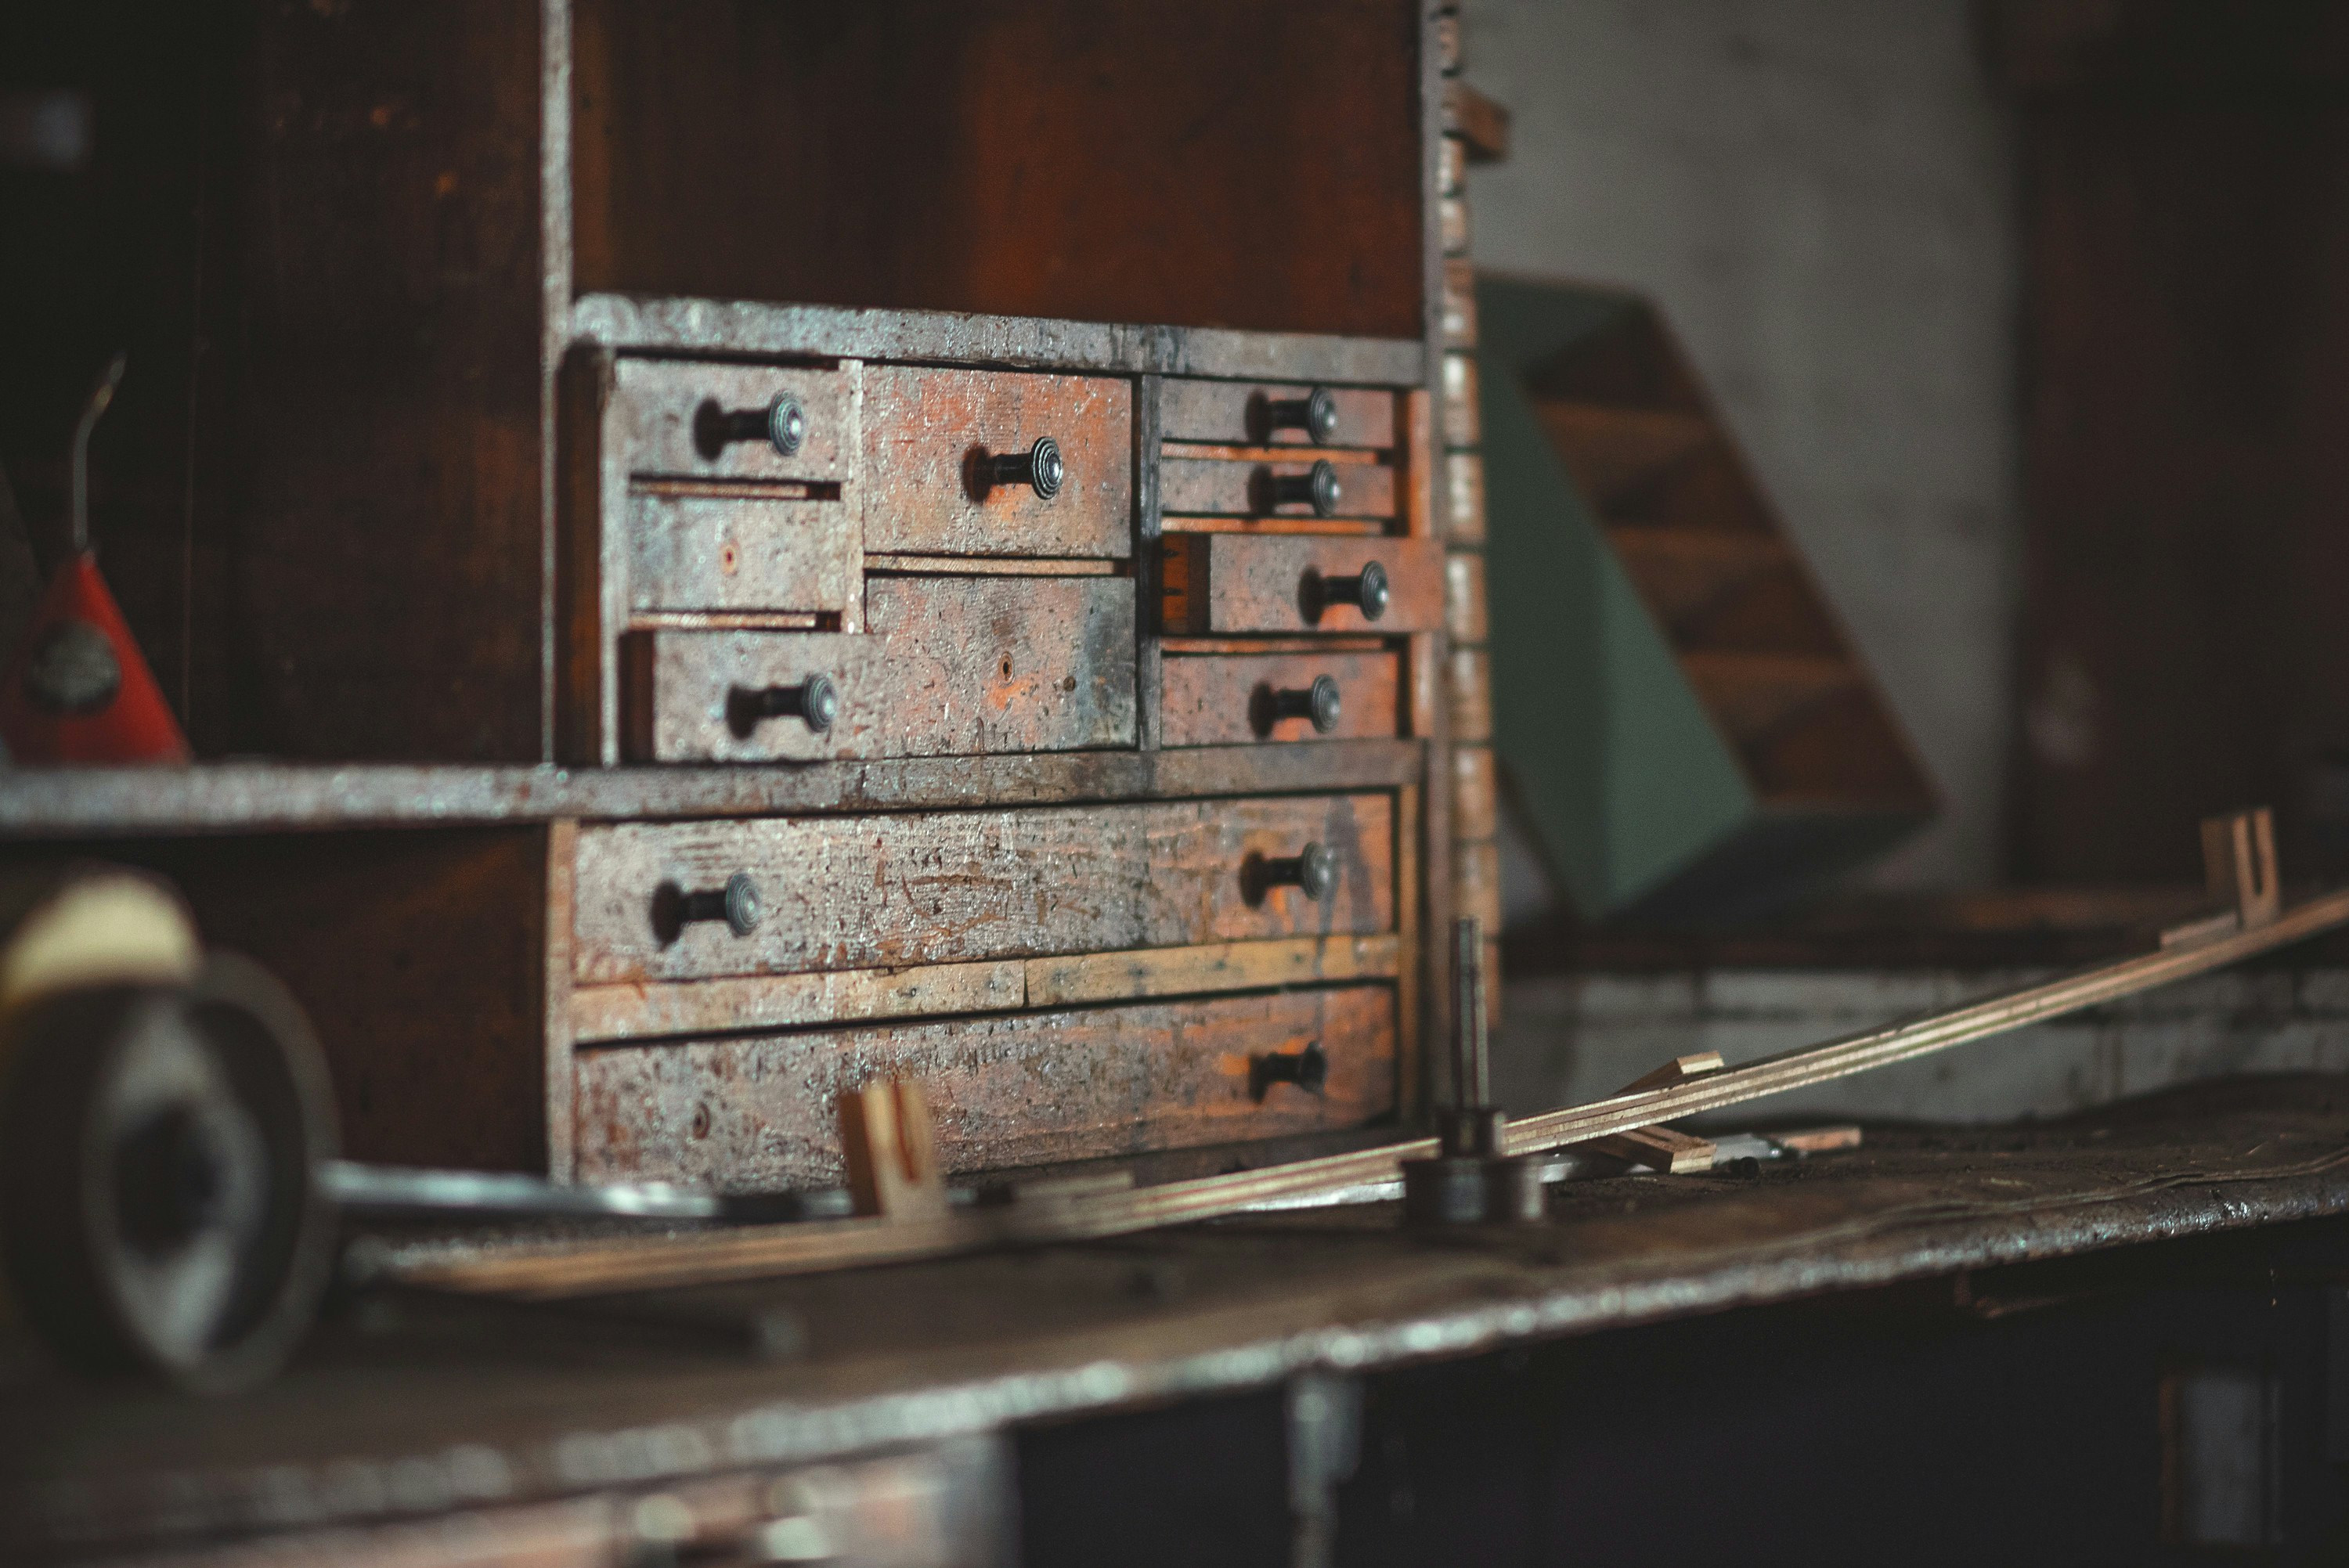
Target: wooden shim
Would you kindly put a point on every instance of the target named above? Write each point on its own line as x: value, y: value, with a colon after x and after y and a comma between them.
x: 1663, y: 1148
x: 2238, y: 861
x: 891, y: 1148
x: 551, y: 1270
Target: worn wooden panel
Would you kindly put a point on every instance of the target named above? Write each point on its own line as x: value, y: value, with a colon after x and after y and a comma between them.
x: 947, y: 667
x: 855, y: 893
x: 639, y: 1010
x: 1475, y: 793
x: 1239, y: 583
x: 1469, y: 691
x: 1227, y: 700
x: 1477, y: 884
x: 704, y: 551
x: 1464, y: 479
x: 1464, y: 597
x: 927, y: 431
x: 1224, y: 488
x: 1463, y: 420
x: 1024, y: 1089
x: 666, y: 405
x: 1458, y: 304
x: 1241, y: 412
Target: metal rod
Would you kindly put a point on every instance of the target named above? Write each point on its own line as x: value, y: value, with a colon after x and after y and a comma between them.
x: 99, y: 397
x: 560, y: 1269
x: 1472, y: 1071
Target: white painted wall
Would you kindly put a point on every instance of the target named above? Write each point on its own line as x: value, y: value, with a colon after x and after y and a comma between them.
x: 1818, y: 192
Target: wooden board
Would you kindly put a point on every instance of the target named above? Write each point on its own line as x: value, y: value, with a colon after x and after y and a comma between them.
x: 1464, y: 597
x: 662, y: 403
x: 1240, y: 411
x: 946, y: 666
x: 1019, y: 1090
x: 1475, y: 793
x: 926, y: 431
x: 856, y: 893
x: 1228, y: 582
x: 1469, y: 689
x: 704, y: 549
x: 1227, y: 700
x: 1464, y: 479
x: 1243, y: 488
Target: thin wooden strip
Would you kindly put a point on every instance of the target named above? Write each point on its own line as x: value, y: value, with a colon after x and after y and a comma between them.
x: 1464, y: 474
x: 1475, y: 795
x: 1464, y: 597
x: 1470, y: 692
x: 1359, y: 527
x: 735, y: 489
x: 730, y: 621
x: 1175, y: 647
x: 990, y: 566
x: 1340, y: 457
x: 1462, y: 418
x: 645, y: 1009
x: 1222, y: 966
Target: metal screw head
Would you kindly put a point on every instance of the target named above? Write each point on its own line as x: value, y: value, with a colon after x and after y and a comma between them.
x: 1045, y: 469
x: 743, y: 909
x: 819, y: 702
x: 73, y: 671
x: 1326, y: 491
x: 1325, y: 703
x: 786, y: 423
x: 1374, y: 593
x: 1317, y: 870
x: 1322, y: 416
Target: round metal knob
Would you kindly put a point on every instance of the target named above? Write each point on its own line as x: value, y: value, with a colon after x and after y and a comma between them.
x: 737, y: 903
x: 1315, y: 414
x: 1318, y: 489
x: 1038, y: 468
x: 815, y: 702
x: 1366, y: 590
x: 1314, y: 871
x: 781, y: 424
x: 1319, y: 703
x: 1308, y: 1068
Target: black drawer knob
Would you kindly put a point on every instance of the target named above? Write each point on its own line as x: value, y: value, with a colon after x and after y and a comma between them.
x: 1314, y: 870
x: 815, y: 702
x: 1315, y: 414
x: 1318, y: 489
x: 736, y: 903
x: 1366, y: 590
x: 781, y: 424
x: 1038, y: 468
x: 1308, y: 1068
x: 1319, y: 703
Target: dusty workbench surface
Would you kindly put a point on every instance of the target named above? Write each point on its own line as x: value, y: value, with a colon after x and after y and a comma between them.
x: 415, y: 1406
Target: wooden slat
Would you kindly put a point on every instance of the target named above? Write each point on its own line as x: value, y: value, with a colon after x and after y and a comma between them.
x: 1341, y: 458
x: 925, y: 428
x: 699, y: 552
x: 1452, y: 224
x: 600, y: 1014
x: 1227, y: 700
x: 1019, y: 1090
x: 659, y: 401
x: 1245, y: 489
x: 989, y: 566
x: 1469, y: 691
x: 1475, y: 794
x: 1463, y: 414
x: 947, y: 667
x: 1250, y: 583
x: 1339, y: 527
x: 1238, y: 411
x: 1459, y: 303
x: 1477, y: 884
x: 864, y: 892
x: 1477, y: 119
x: 1464, y: 479
x: 1684, y: 573
x: 1611, y: 451
x: 1464, y: 597
x: 1751, y: 695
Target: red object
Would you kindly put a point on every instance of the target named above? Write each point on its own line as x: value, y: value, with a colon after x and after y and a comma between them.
x: 79, y: 690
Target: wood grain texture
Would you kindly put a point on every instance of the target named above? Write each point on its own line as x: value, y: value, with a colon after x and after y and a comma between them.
x: 1475, y: 793
x: 756, y: 1112
x: 1463, y: 421
x: 946, y: 666
x: 1464, y: 597
x: 1224, y: 700
x: 1463, y: 481
x: 662, y: 401
x: 926, y: 431
x: 862, y: 892
x: 1477, y: 884
x: 1245, y: 489
x: 1230, y: 583
x: 1458, y: 303
x: 707, y: 552
x: 650, y: 1009
x: 1240, y: 411
x: 1468, y: 688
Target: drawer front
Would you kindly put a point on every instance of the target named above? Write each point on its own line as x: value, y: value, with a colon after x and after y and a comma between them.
x: 1238, y: 413
x: 862, y: 892
x: 691, y: 551
x: 1217, y: 487
x: 930, y: 435
x: 1025, y: 1090
x: 711, y: 422
x: 944, y: 667
x: 1236, y: 699
x: 1235, y: 582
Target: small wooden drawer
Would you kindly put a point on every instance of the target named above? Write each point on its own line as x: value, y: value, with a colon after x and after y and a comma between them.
x: 1273, y: 484
x: 758, y: 1111
x: 930, y: 439
x: 1236, y: 699
x: 1238, y: 413
x: 1224, y: 583
x: 947, y: 667
x: 688, y: 418
x: 694, y: 546
x: 954, y: 887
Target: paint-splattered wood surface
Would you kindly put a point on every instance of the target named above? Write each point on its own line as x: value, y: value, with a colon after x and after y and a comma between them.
x: 1229, y: 582
x: 1232, y: 700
